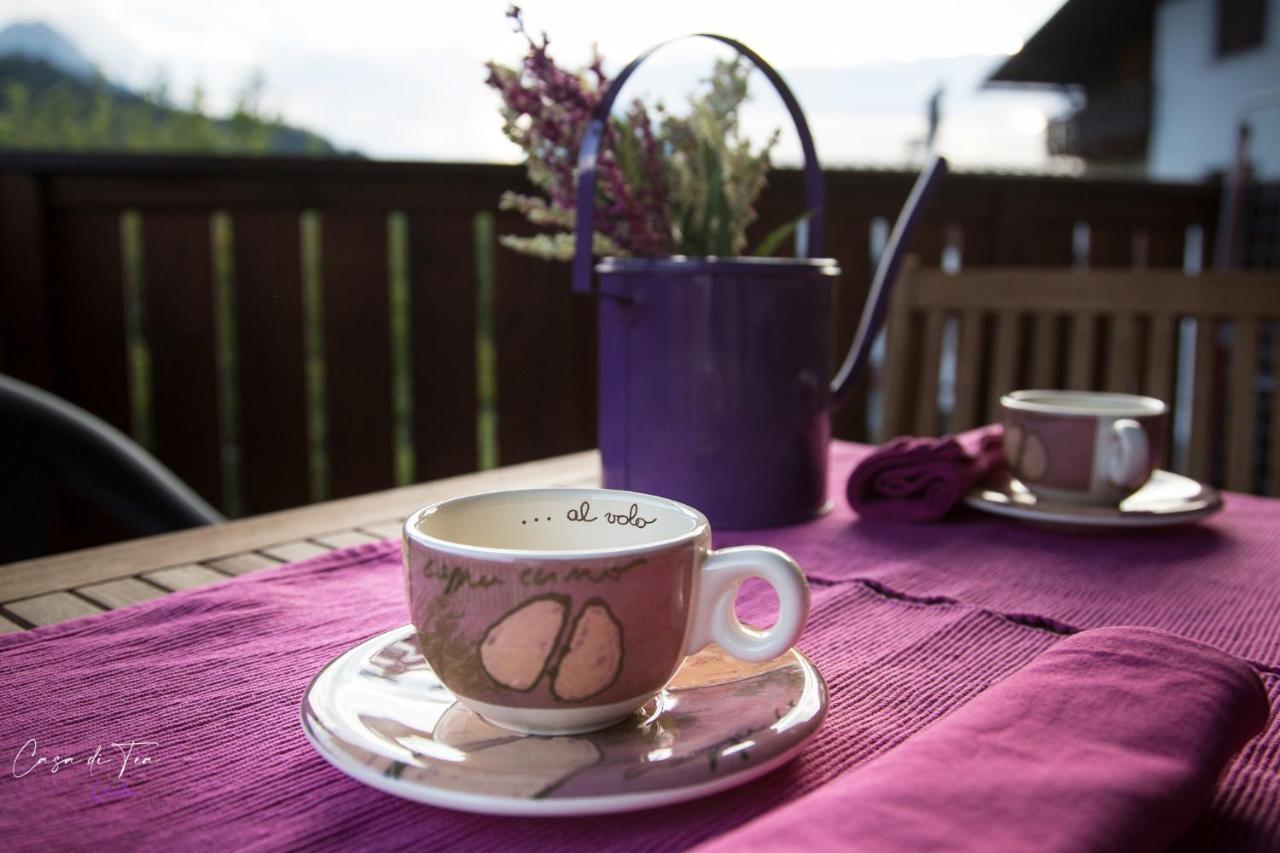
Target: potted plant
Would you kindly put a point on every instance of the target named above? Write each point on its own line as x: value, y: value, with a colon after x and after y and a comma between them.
x: 713, y: 363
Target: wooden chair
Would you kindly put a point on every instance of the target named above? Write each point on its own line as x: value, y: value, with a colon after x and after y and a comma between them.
x: 1116, y: 330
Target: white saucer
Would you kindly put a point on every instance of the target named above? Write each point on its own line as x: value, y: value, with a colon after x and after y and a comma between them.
x: 1167, y: 498
x: 379, y: 714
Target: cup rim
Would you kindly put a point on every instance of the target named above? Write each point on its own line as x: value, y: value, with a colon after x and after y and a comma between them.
x: 1141, y: 405
x: 411, y: 532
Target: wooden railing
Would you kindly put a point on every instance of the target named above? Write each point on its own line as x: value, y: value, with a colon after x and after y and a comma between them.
x: 279, y: 331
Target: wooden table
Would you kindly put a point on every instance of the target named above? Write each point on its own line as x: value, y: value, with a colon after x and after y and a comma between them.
x: 81, y: 583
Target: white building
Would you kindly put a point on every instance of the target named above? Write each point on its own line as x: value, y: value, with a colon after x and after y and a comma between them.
x: 1161, y: 85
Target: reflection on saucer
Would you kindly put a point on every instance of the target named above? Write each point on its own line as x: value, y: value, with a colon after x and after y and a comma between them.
x: 379, y: 714
x: 1167, y: 498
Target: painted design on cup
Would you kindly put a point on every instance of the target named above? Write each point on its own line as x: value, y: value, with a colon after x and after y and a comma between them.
x: 516, y: 649
x: 1026, y: 453
x: 551, y: 633
x: 1049, y: 450
x: 592, y: 659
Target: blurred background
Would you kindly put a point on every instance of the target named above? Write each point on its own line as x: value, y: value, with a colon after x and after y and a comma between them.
x: 403, y: 80
x: 1165, y: 83
x: 260, y: 238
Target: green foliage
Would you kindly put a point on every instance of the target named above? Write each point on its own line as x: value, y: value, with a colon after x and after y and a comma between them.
x: 42, y: 109
x: 712, y: 173
x: 774, y: 239
x: 684, y: 183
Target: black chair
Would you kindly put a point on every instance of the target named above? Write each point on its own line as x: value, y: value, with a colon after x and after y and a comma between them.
x: 51, y: 450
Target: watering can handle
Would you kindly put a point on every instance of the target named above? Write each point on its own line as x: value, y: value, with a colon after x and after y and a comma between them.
x: 590, y: 148
x: 815, y: 199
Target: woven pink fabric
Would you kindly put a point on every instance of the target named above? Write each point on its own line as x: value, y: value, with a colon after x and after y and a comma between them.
x: 905, y: 626
x: 1110, y: 740
x: 1217, y: 581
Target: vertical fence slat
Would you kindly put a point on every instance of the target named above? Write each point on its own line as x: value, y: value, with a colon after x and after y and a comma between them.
x: 926, y: 422
x: 1158, y: 378
x: 357, y: 345
x: 900, y: 354
x: 1140, y: 251
x: 178, y: 268
x: 1123, y: 354
x: 91, y: 360
x: 1044, y: 349
x: 89, y: 351
x: 1081, y: 352
x: 544, y: 335
x: 968, y: 365
x: 1242, y: 409
x: 1166, y: 244
x: 442, y: 334
x: 1200, y: 459
x: 1161, y: 352
x: 272, y: 374
x: 1004, y: 361
x: 26, y: 342
x: 1111, y: 244
x: 848, y: 241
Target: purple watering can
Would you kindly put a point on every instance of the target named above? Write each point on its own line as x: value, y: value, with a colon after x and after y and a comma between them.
x: 713, y: 371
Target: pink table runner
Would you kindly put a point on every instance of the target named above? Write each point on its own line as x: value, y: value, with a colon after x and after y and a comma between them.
x: 907, y: 624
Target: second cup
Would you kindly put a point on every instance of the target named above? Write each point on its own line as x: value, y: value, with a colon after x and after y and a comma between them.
x: 1083, y: 447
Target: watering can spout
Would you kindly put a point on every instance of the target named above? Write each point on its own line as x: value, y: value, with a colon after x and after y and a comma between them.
x: 886, y: 273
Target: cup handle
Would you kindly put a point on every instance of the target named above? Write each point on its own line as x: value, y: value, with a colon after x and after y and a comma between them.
x: 715, y: 620
x: 1130, y: 464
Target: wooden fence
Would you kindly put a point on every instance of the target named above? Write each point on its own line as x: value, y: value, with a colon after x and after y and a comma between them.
x: 279, y: 331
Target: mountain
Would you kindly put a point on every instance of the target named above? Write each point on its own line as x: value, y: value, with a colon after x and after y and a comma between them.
x: 38, y: 40
x: 52, y: 98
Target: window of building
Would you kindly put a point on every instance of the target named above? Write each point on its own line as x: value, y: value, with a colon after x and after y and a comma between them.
x: 1240, y: 25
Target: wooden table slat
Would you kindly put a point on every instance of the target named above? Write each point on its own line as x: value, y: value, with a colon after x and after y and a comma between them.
x: 7, y: 627
x: 185, y: 577
x: 345, y: 539
x: 52, y: 607
x: 121, y: 592
x: 290, y: 552
x: 241, y: 564
x: 384, y: 529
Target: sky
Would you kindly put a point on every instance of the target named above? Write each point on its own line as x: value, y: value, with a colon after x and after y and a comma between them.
x: 396, y: 79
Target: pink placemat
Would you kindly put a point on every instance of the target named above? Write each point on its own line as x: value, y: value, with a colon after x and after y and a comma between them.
x: 1217, y: 581
x: 212, y: 679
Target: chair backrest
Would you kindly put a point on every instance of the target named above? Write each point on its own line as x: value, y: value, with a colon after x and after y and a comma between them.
x: 51, y: 450
x: 1208, y: 344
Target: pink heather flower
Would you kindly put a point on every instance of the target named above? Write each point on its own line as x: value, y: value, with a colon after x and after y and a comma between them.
x: 546, y: 110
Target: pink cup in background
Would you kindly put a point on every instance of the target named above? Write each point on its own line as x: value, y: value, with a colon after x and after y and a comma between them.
x: 1083, y: 447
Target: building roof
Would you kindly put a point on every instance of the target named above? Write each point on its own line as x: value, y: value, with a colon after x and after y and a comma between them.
x: 1081, y: 37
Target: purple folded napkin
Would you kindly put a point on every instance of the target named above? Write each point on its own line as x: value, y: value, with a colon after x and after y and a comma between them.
x: 1110, y: 740
x: 922, y: 479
